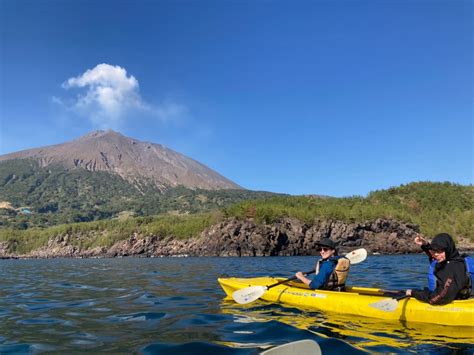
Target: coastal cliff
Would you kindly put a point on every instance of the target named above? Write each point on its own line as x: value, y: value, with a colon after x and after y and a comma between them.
x: 233, y: 237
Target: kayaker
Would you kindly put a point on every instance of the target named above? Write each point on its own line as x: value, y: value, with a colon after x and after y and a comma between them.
x: 447, y: 278
x: 331, y: 269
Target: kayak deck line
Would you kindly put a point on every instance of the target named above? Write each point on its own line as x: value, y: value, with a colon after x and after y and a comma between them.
x: 356, y: 301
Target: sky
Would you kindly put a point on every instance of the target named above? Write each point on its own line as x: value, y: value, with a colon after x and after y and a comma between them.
x: 329, y: 97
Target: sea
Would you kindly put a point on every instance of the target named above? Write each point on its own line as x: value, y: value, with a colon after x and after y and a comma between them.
x: 176, y: 306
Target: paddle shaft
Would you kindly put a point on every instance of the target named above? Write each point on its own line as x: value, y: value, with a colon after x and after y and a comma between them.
x: 401, y: 297
x: 252, y: 293
x: 290, y: 279
x: 359, y: 251
x: 396, y: 295
x: 391, y: 293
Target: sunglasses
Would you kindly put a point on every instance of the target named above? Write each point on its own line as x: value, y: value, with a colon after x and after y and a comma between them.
x: 324, y: 250
x: 437, y: 251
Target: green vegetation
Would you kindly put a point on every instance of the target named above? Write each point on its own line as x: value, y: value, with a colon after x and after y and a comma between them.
x: 435, y: 207
x: 57, y: 196
x: 105, y: 233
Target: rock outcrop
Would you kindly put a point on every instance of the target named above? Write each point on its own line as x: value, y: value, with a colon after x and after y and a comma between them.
x: 286, y: 237
x: 292, y: 237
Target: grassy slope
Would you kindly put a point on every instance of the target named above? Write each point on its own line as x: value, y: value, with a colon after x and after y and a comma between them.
x: 435, y: 207
x: 56, y: 196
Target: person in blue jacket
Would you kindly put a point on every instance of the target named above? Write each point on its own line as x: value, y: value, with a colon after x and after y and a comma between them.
x: 326, y: 277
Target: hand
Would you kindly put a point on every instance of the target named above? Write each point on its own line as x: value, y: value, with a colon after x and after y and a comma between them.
x: 419, y: 240
x: 303, y: 278
x: 408, y: 292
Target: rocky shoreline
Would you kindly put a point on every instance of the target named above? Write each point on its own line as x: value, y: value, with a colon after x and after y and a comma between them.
x: 286, y: 237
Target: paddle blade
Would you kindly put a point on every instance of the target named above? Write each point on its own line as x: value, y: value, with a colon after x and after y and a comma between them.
x: 300, y: 347
x: 387, y: 305
x: 357, y: 256
x: 248, y: 294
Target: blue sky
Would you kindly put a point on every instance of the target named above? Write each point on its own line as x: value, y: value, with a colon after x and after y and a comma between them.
x: 326, y: 97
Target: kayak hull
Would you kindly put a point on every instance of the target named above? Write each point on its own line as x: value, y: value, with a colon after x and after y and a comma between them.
x: 356, y: 301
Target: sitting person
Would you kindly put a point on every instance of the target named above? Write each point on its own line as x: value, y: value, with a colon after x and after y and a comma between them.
x: 331, y: 269
x: 447, y: 278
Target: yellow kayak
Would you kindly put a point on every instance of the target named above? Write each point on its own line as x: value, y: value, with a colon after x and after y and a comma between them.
x: 356, y: 301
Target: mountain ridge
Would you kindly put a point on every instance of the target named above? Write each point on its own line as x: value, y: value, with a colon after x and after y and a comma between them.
x: 104, y: 175
x: 129, y: 158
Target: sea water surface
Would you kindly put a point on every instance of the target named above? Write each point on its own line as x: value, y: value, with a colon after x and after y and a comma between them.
x: 175, y: 306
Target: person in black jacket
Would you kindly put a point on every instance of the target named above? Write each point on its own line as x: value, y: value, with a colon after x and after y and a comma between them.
x: 448, y: 279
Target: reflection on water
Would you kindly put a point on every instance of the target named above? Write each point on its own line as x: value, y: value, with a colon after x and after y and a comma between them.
x: 364, y: 333
x: 175, y: 305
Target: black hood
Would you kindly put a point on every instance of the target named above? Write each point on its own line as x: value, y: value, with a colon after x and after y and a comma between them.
x: 444, y: 242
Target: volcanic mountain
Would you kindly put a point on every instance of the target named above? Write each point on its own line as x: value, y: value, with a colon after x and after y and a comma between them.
x: 131, y: 159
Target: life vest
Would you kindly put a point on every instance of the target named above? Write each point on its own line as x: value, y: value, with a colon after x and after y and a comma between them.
x: 338, y: 277
x: 469, y: 270
x: 431, y: 276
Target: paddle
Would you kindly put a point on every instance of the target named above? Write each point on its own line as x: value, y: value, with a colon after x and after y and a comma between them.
x: 252, y: 293
x: 300, y: 347
x: 389, y: 304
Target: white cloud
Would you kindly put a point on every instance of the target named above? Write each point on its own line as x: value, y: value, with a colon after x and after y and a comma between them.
x: 109, y: 95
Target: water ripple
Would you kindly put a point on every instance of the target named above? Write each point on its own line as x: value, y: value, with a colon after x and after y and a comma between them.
x: 174, y: 305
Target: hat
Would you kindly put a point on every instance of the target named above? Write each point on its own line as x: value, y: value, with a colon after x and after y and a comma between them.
x: 326, y: 242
